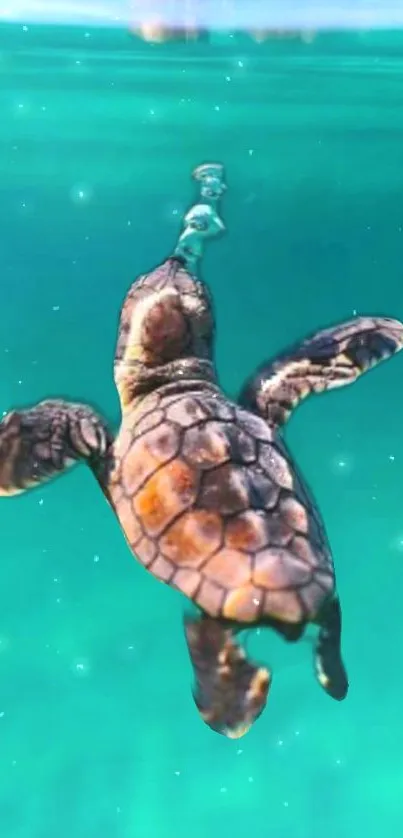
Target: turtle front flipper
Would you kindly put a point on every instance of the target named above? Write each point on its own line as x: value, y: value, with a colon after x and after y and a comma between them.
x: 39, y: 443
x: 328, y: 359
x: 329, y: 666
x: 230, y: 691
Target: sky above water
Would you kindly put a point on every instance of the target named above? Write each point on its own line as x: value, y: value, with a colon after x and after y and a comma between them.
x: 211, y: 13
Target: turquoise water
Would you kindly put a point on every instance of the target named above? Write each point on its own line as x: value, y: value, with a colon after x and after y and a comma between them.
x: 99, y: 736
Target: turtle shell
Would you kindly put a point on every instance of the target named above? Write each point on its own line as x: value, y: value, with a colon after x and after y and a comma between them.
x: 211, y: 504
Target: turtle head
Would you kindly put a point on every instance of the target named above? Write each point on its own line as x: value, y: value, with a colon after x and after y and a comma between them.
x: 166, y: 332
x: 230, y: 691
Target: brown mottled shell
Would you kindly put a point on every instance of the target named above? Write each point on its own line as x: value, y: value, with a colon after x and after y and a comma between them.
x: 211, y: 504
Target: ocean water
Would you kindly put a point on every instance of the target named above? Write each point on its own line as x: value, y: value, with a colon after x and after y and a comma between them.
x: 99, y: 133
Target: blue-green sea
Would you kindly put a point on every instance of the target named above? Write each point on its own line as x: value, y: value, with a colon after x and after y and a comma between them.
x: 99, y: 133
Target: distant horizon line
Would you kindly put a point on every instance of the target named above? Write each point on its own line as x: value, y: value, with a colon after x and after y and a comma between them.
x: 209, y: 14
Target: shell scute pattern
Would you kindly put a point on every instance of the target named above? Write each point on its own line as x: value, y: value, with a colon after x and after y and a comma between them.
x: 213, y: 506
x: 193, y: 538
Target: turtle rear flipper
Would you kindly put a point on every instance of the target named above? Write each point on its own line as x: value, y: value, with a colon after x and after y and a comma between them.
x: 41, y: 442
x: 329, y: 666
x: 330, y: 358
x: 230, y: 691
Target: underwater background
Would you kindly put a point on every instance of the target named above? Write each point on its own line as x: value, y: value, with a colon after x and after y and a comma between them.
x: 99, y: 133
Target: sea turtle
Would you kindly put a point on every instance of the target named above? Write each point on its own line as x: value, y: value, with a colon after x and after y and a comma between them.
x: 204, y: 488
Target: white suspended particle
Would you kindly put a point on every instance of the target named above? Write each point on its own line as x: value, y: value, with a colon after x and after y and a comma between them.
x: 81, y: 666
x: 80, y: 193
x: 342, y: 464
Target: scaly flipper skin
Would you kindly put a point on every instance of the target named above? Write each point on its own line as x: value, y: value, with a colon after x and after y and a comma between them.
x: 230, y: 691
x: 329, y: 666
x: 39, y: 443
x: 330, y: 358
